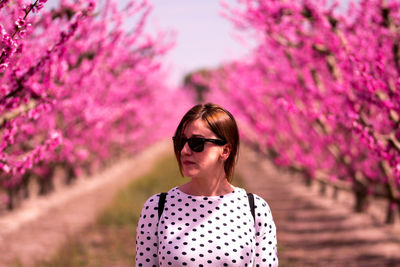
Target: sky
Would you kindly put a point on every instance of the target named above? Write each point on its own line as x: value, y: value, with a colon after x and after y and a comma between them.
x: 204, y: 39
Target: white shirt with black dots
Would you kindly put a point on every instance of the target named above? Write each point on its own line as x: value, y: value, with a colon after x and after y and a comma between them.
x: 206, y: 231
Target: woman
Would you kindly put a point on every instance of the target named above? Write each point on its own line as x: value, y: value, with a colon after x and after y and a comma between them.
x: 207, y: 221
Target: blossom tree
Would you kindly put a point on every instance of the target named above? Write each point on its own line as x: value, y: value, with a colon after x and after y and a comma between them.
x: 78, y: 89
x: 321, y: 91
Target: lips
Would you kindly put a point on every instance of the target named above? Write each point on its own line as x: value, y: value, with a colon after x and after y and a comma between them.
x: 187, y: 162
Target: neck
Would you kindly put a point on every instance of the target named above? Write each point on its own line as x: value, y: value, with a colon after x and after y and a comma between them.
x: 202, y: 186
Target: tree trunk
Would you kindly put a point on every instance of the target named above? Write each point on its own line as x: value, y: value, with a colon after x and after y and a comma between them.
x: 11, y: 198
x: 398, y: 210
x: 25, y: 184
x: 362, y: 200
x: 308, y: 181
x: 390, y: 215
x: 71, y: 175
x: 335, y: 194
x: 42, y: 186
x: 322, y: 188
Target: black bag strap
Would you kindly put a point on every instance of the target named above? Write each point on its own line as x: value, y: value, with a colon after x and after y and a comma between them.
x: 250, y: 196
x: 163, y: 196
x: 161, y: 202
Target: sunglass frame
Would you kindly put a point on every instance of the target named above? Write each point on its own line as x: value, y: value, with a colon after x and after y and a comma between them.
x: 179, y: 143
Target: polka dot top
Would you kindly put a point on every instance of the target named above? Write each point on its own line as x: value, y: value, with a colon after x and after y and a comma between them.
x: 206, y: 231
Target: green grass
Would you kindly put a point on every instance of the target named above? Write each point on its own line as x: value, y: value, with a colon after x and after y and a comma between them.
x: 111, y: 241
x: 126, y: 207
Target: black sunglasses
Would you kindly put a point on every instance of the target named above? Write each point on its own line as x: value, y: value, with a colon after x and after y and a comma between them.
x: 196, y: 144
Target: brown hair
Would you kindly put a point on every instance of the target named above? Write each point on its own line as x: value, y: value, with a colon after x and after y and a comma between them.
x: 221, y: 123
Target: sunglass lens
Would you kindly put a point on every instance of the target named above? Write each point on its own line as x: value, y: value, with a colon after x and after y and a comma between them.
x: 196, y: 144
x: 179, y: 143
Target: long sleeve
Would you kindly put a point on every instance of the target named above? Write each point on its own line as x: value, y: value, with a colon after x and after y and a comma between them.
x: 266, y: 242
x: 146, y: 234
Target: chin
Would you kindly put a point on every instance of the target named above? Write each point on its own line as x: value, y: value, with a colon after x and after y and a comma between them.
x: 190, y: 174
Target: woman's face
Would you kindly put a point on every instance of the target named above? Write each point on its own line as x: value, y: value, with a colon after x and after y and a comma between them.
x: 210, y: 161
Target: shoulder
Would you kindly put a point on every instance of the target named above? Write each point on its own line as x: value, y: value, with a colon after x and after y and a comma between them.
x: 151, y: 205
x: 153, y: 200
x: 259, y: 202
x: 262, y: 209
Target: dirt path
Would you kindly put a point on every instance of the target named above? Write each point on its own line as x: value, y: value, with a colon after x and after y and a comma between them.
x: 315, y: 230
x: 41, y: 225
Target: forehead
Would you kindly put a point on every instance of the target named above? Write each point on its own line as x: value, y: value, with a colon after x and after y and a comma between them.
x: 198, y: 127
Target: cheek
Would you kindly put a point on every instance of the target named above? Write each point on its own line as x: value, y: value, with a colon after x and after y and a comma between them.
x: 209, y: 159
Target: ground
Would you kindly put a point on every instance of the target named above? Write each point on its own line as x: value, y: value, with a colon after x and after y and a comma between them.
x: 38, y: 228
x: 313, y: 230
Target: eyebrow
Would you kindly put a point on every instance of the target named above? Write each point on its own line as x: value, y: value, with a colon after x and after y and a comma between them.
x: 195, y: 135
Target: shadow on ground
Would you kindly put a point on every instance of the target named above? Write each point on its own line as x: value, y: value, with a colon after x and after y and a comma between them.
x: 313, y: 230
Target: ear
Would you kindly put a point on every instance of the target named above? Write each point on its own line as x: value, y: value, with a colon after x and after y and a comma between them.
x: 226, y: 151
